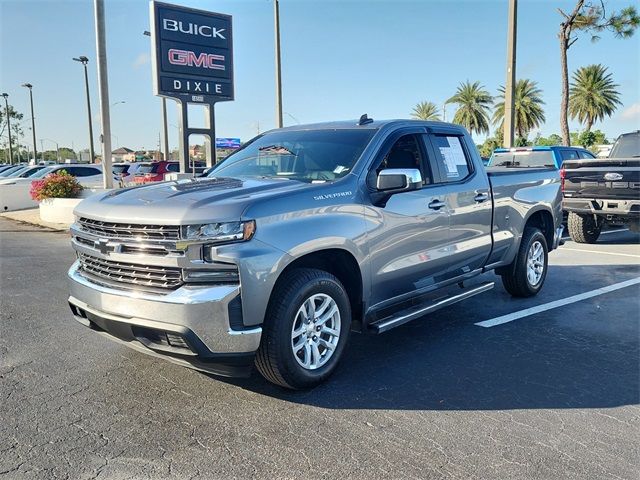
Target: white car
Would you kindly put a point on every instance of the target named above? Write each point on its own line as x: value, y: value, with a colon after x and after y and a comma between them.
x: 89, y: 175
x: 24, y: 173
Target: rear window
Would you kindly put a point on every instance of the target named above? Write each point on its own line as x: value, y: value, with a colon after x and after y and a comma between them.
x: 529, y: 158
x: 148, y: 168
x: 626, y: 146
x: 173, y: 167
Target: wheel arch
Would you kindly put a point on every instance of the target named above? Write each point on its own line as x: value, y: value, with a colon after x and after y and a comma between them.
x: 542, y: 219
x: 343, y: 265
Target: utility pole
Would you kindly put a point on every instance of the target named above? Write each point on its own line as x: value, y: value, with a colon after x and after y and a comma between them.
x: 512, y: 32
x: 276, y: 19
x: 84, y: 60
x: 103, y: 90
x: 6, y: 105
x: 33, y: 120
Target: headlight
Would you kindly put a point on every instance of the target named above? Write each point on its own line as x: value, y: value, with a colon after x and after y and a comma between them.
x: 221, y: 232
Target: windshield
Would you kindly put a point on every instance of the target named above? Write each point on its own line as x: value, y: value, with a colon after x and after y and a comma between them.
x: 626, y: 146
x: 148, y: 168
x: 529, y: 158
x: 11, y: 170
x: 29, y: 172
x: 43, y: 173
x: 19, y: 172
x: 118, y: 169
x: 305, y: 155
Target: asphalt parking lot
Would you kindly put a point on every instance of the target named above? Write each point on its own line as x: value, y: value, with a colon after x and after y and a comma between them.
x: 552, y: 394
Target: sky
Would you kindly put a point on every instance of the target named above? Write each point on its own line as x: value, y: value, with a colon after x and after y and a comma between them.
x: 340, y: 59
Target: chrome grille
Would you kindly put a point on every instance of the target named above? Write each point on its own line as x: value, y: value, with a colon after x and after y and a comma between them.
x: 129, y: 230
x: 129, y: 276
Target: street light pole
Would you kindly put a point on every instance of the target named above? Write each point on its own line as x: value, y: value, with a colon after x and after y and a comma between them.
x: 33, y: 120
x: 103, y: 91
x: 6, y: 105
x: 511, y: 73
x: 276, y: 19
x: 84, y: 60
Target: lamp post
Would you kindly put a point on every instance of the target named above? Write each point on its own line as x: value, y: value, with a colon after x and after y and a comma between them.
x: 113, y: 135
x: 6, y: 105
x: 57, y: 148
x: 84, y: 60
x: 276, y: 21
x: 33, y: 120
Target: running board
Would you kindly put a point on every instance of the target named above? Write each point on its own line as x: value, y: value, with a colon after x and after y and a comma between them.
x: 417, y: 311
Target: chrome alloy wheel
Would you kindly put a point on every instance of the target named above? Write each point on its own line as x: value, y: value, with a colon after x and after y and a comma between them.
x: 316, y: 331
x: 535, y: 263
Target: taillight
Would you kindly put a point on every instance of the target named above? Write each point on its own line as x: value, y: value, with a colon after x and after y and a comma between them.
x: 563, y: 174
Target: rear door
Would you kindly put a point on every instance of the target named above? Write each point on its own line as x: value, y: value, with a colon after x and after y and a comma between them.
x: 468, y: 202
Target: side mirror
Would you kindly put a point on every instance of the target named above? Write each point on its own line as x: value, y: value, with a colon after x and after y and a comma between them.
x: 396, y: 180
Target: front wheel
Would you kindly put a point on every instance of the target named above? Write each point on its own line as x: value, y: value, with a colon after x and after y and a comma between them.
x: 305, y: 330
x: 526, y: 275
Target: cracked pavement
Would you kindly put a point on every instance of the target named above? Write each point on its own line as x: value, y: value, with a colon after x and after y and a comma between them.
x: 552, y: 395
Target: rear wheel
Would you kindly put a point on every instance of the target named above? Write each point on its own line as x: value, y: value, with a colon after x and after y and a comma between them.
x: 526, y: 275
x: 583, y: 228
x: 305, y: 330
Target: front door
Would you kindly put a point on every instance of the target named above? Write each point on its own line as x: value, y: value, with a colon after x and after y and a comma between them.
x: 409, y: 235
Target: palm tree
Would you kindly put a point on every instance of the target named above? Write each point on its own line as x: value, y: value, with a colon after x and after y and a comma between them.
x: 592, y: 95
x: 473, y: 107
x: 528, y: 111
x: 426, y: 111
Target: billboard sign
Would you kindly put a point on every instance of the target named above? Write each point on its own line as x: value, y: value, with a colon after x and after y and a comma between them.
x: 192, y: 53
x: 228, y: 143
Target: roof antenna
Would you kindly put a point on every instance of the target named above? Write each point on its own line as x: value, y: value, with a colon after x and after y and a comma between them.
x: 365, y: 120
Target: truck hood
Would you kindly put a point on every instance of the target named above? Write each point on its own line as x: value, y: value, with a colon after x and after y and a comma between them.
x: 184, y: 201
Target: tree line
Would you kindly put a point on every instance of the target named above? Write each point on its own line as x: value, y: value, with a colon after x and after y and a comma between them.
x: 589, y: 97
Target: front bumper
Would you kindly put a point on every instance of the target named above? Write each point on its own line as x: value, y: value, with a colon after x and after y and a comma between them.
x: 191, y: 326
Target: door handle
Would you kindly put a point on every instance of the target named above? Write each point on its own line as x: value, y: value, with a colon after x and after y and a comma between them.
x: 481, y: 197
x: 436, y: 204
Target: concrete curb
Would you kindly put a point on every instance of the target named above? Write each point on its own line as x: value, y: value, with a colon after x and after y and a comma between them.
x: 32, y: 217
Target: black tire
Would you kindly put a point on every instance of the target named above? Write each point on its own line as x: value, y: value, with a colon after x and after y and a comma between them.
x: 583, y: 228
x: 275, y: 358
x: 514, y: 277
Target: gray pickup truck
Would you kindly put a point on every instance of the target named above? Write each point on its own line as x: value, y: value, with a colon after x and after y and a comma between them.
x: 304, y: 235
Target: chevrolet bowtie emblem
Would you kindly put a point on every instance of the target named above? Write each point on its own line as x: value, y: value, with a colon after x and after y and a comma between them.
x: 102, y: 245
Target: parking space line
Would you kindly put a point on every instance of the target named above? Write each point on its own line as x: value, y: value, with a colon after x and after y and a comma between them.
x: 568, y: 237
x: 602, y: 253
x: 555, y: 304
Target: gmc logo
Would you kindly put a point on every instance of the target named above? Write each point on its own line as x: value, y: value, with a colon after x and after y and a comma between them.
x: 193, y: 29
x: 189, y: 58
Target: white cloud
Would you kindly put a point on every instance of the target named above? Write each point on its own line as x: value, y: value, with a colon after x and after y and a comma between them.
x: 141, y: 60
x: 632, y: 112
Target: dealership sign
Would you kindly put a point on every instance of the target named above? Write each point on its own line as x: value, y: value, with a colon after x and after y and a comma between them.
x: 192, y: 53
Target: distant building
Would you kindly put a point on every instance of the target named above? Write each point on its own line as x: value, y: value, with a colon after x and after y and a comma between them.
x: 119, y: 154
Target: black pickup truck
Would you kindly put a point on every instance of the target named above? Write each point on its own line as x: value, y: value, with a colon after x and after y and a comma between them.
x: 603, y: 191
